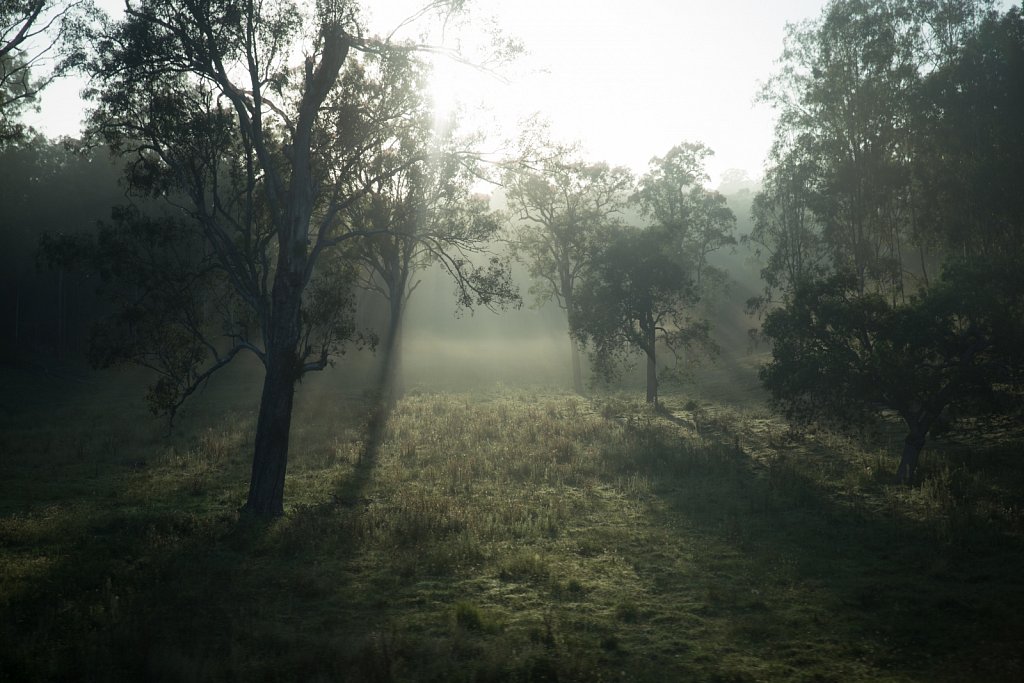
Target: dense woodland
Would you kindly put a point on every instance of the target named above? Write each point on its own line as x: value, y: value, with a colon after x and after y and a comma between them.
x: 269, y: 186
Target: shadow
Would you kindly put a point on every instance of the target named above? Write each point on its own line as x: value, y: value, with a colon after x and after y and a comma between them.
x: 100, y: 585
x: 663, y: 410
x: 741, y: 572
x: 804, y: 578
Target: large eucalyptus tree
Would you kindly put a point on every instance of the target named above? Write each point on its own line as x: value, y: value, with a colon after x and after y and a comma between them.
x: 261, y: 123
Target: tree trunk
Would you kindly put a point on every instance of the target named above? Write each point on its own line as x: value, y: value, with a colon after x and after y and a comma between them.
x: 390, y: 390
x: 912, y: 446
x: 17, y: 315
x: 574, y: 349
x: 650, y: 347
x: 577, y: 369
x: 273, y: 427
x: 652, y: 377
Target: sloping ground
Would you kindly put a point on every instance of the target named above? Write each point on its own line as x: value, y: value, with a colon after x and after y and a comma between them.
x: 505, y: 536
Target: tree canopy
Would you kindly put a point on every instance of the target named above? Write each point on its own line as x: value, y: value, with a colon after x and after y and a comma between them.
x: 636, y: 295
x: 566, y: 209
x: 40, y: 40
x: 893, y: 152
x: 262, y: 125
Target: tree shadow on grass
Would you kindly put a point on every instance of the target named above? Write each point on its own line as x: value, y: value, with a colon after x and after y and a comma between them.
x: 798, y: 583
x: 184, y: 588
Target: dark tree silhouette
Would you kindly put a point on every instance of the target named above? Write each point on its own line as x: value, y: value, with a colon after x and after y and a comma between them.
x: 264, y: 156
x: 40, y: 40
x: 895, y: 152
x: 636, y: 295
x: 842, y: 357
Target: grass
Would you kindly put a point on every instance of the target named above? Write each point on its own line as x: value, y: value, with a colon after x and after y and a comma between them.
x: 498, y: 535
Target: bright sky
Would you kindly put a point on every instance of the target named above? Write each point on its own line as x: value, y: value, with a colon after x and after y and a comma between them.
x: 627, y: 79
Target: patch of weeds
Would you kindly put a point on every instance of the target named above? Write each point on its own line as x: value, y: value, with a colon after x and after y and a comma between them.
x: 628, y: 612
x: 573, y: 589
x: 544, y: 634
x: 524, y: 566
x: 473, y: 619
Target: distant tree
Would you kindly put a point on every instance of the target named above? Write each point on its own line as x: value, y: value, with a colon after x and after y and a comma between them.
x: 565, y: 209
x: 697, y: 220
x: 636, y: 295
x: 787, y: 236
x: 427, y: 215
x: 842, y: 357
x: 735, y: 181
x: 263, y: 151
x: 48, y: 187
x: 40, y: 40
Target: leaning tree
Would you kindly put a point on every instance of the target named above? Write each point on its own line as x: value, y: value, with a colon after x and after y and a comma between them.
x: 251, y: 120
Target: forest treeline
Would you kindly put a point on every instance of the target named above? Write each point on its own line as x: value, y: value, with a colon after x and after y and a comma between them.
x: 259, y: 196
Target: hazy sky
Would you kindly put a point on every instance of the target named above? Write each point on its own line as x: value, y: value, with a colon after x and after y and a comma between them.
x: 627, y: 79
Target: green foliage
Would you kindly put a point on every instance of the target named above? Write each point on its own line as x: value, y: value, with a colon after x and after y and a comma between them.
x: 896, y: 148
x: 265, y: 123
x: 696, y: 220
x: 968, y: 148
x: 40, y: 41
x: 841, y: 357
x: 637, y: 294
x: 787, y: 236
x: 565, y: 210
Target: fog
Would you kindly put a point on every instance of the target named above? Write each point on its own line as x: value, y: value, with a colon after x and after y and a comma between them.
x: 443, y: 348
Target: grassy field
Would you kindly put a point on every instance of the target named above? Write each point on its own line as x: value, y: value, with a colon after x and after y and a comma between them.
x: 502, y: 534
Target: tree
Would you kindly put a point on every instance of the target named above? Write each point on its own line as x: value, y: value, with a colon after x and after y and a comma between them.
x: 263, y: 156
x: 844, y: 99
x: 424, y: 215
x: 565, y: 210
x: 969, y: 142
x: 842, y: 357
x: 898, y: 128
x: 46, y: 314
x: 635, y: 295
x: 787, y: 235
x: 40, y: 40
x: 673, y: 193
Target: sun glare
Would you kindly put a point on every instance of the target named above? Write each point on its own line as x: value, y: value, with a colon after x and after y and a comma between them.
x: 445, y: 87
